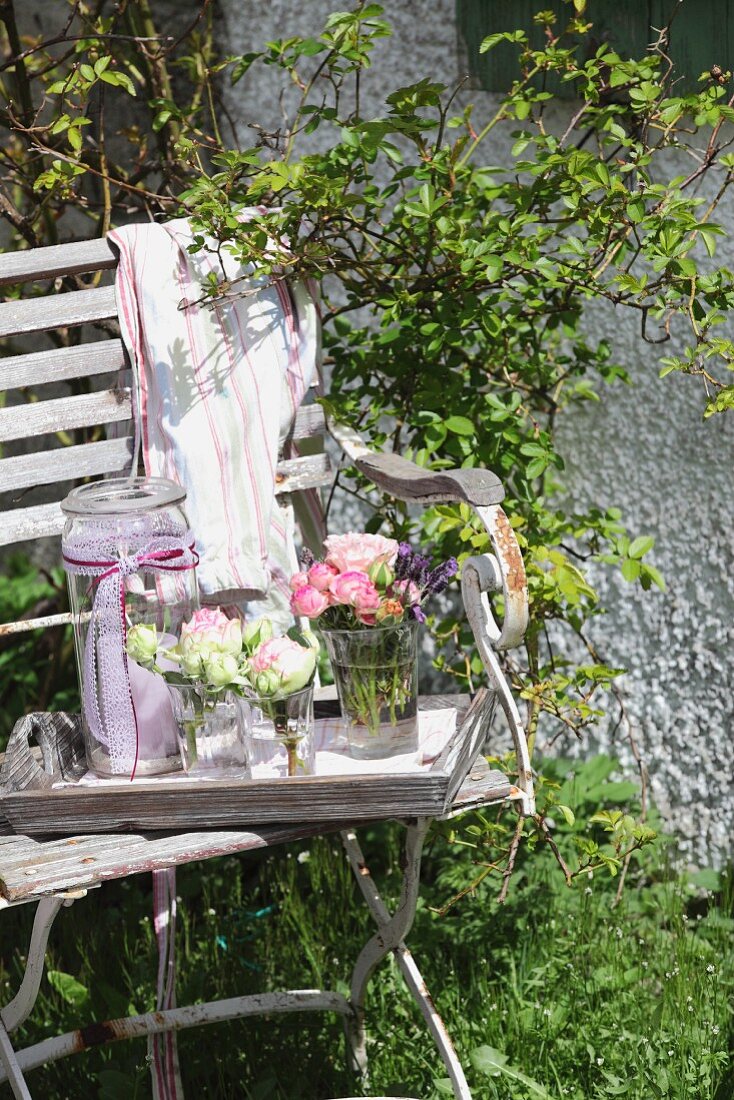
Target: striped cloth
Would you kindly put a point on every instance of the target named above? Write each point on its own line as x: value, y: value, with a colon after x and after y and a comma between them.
x: 216, y: 387
x: 165, y: 1071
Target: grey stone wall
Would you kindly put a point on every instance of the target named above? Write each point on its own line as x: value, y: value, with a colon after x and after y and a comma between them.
x: 644, y: 449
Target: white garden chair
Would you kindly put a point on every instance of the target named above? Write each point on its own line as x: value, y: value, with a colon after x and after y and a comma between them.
x: 56, y: 873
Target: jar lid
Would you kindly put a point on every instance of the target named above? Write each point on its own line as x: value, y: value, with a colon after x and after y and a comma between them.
x: 122, y: 494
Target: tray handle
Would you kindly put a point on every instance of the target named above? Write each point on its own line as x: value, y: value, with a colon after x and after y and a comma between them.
x: 59, y: 737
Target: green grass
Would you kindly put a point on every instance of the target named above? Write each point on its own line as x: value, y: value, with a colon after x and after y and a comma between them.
x: 555, y: 994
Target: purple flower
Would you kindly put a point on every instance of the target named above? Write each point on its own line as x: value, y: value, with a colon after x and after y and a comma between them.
x: 439, y: 577
x: 417, y: 613
x: 419, y: 569
x: 307, y: 558
x: 402, y: 561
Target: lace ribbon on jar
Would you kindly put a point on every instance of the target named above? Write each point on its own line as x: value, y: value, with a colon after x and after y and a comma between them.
x: 108, y: 701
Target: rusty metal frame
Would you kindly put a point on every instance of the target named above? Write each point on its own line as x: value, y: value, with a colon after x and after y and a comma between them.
x: 502, y: 572
x: 392, y: 930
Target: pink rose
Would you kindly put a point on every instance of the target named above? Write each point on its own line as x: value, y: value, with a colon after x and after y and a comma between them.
x: 356, y: 590
x: 297, y: 581
x: 207, y: 618
x: 210, y: 629
x: 358, y: 551
x: 308, y: 601
x: 293, y: 663
x: 321, y: 574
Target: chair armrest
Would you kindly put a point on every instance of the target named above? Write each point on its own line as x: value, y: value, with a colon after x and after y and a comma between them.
x: 413, y: 484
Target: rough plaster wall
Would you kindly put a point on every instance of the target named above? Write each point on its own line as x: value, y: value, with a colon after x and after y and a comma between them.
x: 643, y: 449
x: 646, y: 450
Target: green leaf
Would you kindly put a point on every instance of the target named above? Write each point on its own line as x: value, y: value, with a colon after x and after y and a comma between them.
x: 493, y: 266
x: 651, y: 575
x: 493, y: 1063
x: 723, y: 400
x: 568, y: 813
x: 622, y: 791
x: 631, y: 569
x: 488, y: 1060
x: 641, y: 546
x: 242, y: 65
x: 493, y: 40
x: 459, y: 425
x: 709, y: 240
x: 707, y: 878
x: 72, y: 991
x: 536, y: 468
x: 119, y: 80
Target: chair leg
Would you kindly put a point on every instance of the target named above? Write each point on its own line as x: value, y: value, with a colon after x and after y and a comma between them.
x: 13, y: 1071
x: 392, y: 931
x: 19, y: 1009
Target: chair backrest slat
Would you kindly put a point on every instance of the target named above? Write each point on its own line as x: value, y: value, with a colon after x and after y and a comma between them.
x: 39, y: 522
x: 39, y: 314
x: 65, y: 413
x: 109, y: 456
x: 308, y: 422
x: 61, y: 364
x: 307, y: 472
x: 60, y: 259
x: 44, y: 520
x: 113, y: 456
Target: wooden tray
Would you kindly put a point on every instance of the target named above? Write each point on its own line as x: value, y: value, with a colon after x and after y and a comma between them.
x: 32, y: 805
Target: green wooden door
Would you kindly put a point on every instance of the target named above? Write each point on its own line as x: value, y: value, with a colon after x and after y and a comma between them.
x: 701, y: 34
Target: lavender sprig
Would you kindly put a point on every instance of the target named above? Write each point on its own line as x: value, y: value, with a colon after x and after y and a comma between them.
x: 402, y: 561
x: 439, y: 577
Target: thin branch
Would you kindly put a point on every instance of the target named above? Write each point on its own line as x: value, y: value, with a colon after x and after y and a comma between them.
x: 512, y: 856
x: 548, y: 838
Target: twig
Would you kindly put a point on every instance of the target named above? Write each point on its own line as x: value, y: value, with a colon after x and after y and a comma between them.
x: 511, y: 857
x: 642, y: 769
x: 548, y: 838
x: 59, y: 38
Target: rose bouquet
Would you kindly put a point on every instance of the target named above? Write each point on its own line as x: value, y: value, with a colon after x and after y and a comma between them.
x: 216, y: 654
x: 367, y: 596
x: 215, y: 660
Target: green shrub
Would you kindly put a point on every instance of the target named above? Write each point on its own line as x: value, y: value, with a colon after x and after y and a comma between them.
x: 37, y: 670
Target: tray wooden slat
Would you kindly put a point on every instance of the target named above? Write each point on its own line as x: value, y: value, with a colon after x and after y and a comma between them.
x: 31, y: 868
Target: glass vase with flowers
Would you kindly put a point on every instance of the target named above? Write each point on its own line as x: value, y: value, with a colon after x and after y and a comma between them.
x: 367, y: 597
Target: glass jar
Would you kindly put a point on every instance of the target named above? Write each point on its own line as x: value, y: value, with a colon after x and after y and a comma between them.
x: 376, y: 676
x: 211, y: 732
x: 130, y: 559
x: 279, y: 735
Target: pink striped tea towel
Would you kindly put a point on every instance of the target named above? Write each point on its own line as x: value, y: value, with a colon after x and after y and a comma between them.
x: 216, y: 385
